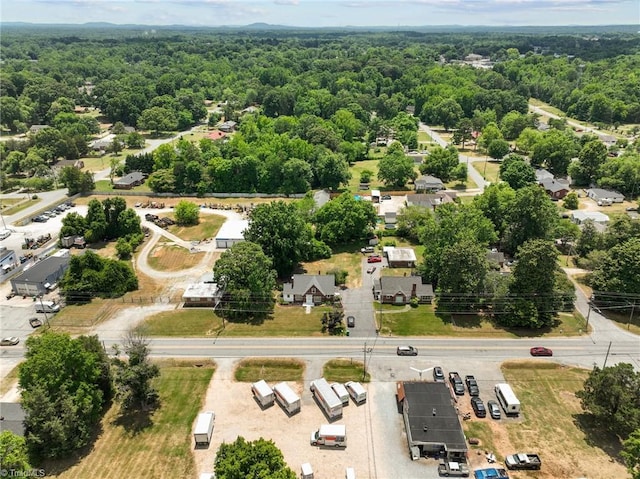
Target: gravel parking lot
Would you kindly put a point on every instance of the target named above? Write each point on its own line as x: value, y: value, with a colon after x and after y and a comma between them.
x: 377, y: 447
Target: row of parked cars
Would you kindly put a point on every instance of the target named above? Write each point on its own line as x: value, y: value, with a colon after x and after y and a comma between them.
x: 47, y: 215
x: 472, y: 387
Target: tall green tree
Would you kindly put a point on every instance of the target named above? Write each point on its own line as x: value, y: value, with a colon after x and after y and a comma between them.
x: 133, y: 376
x: 517, y: 172
x: 533, y: 288
x: 280, y: 229
x: 611, y: 396
x: 441, y: 163
x: 344, y: 220
x: 14, y: 455
x: 495, y: 203
x: 63, y: 392
x: 619, y: 273
x: 555, y: 150
x: 187, y: 213
x: 585, y: 170
x: 531, y: 215
x: 247, y: 278
x: 631, y: 453
x: 395, y: 168
x: 251, y: 459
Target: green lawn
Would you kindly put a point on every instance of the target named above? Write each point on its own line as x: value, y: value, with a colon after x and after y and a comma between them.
x: 401, y: 320
x: 199, y: 322
x: 343, y: 370
x: 347, y: 257
x: 105, y: 185
x: 157, y: 446
x: 490, y: 170
x: 269, y: 369
x: 357, y: 168
x: 549, y: 407
x: 11, y: 206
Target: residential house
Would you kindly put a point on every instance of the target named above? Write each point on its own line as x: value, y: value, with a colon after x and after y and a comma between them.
x: 321, y: 198
x: 608, y: 140
x: 309, y: 289
x: 579, y: 217
x: 402, y: 289
x: 231, y: 232
x: 556, y: 189
x: 400, y: 257
x: 12, y: 418
x: 495, y: 258
x: 428, y: 183
x: 542, y: 175
x: 432, y: 200
x: 602, y: 196
x: 36, y: 128
x: 228, y: 126
x: 250, y: 109
x: 390, y: 219
x: 41, y: 276
x: 135, y: 178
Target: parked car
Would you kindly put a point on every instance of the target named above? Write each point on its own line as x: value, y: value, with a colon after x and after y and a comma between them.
x: 385, y: 197
x: 40, y: 219
x: 540, y: 351
x: 10, y: 341
x: 367, y: 249
x: 523, y: 461
x: 472, y: 385
x: 371, y: 269
x: 494, y: 409
x: 438, y: 374
x: 351, y: 321
x: 374, y: 259
x: 406, y: 351
x: 456, y: 383
x: 478, y: 407
x: 453, y: 469
x: 35, y: 322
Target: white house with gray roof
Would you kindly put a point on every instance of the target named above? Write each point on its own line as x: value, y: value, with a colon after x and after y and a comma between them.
x: 309, y: 289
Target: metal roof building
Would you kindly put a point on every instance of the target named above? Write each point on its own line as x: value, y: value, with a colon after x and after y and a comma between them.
x: 231, y: 232
x: 37, y: 279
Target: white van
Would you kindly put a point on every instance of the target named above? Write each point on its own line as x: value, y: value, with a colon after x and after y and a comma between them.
x: 350, y: 473
x: 356, y: 391
x: 330, y: 435
x: 341, y: 392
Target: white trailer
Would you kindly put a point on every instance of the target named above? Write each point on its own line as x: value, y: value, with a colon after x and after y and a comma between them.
x: 204, y: 428
x: 507, y: 399
x: 356, y: 391
x: 306, y: 471
x: 330, y: 435
x: 263, y: 393
x: 288, y: 399
x: 327, y: 399
x: 341, y: 392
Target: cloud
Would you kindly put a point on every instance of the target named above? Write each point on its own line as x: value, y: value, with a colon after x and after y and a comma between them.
x: 287, y: 2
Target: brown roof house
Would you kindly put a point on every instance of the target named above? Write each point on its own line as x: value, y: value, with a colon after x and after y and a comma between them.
x: 402, y: 289
x: 309, y: 289
x: 127, y: 182
x: 556, y: 189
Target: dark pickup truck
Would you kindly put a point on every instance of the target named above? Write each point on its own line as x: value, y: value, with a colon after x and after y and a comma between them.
x: 456, y: 383
x: 472, y: 385
x: 522, y: 461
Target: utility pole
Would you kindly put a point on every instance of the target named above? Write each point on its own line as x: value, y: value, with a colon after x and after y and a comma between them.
x: 365, y: 350
x: 588, y: 314
x: 633, y: 306
x: 607, y: 356
x: 46, y: 318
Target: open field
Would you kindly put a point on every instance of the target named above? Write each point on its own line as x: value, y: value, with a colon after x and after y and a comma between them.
x: 490, y: 170
x: 343, y: 370
x: 202, y: 322
x: 155, y: 446
x: 346, y: 260
x: 208, y: 227
x: 424, y: 321
x: 169, y: 257
x: 356, y: 170
x: 269, y: 369
x: 554, y: 426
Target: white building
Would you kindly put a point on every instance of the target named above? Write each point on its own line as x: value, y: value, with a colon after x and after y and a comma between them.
x: 232, y: 232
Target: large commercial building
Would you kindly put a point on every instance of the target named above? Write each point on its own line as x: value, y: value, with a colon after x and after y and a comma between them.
x: 41, y: 277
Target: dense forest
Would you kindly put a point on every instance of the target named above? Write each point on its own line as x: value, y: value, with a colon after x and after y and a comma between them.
x: 324, y: 95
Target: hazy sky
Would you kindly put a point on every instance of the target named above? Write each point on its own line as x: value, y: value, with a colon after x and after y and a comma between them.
x: 309, y: 13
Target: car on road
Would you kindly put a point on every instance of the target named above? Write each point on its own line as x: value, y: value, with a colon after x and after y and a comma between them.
x: 478, y: 407
x: 351, y: 321
x: 10, y: 341
x: 35, y: 322
x: 494, y: 409
x: 385, y: 197
x: 438, y: 374
x: 540, y: 351
x: 406, y: 351
x: 376, y: 258
x: 371, y: 269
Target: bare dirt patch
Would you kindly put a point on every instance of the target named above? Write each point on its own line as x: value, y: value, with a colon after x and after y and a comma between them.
x: 168, y: 257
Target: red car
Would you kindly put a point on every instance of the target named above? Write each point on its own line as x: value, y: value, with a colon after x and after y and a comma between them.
x: 374, y: 259
x: 540, y: 351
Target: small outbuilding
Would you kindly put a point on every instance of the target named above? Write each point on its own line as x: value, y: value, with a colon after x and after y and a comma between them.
x: 401, y: 257
x: 579, y: 217
x: 231, y: 232
x: 201, y: 294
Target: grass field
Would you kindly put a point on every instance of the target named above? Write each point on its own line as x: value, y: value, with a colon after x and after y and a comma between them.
x: 403, y: 320
x: 105, y: 185
x: 165, y: 257
x: 553, y: 424
x: 159, y: 446
x: 208, y: 227
x: 490, y: 170
x: 269, y: 369
x: 11, y: 206
x: 343, y: 370
x: 194, y: 322
x: 348, y: 259
x: 356, y: 170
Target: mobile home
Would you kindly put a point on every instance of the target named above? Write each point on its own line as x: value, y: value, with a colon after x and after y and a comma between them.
x: 288, y: 399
